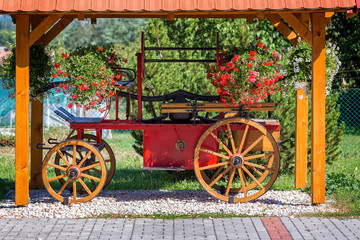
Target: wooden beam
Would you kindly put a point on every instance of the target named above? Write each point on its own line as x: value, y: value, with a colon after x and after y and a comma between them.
x: 36, y: 137
x: 55, y: 30
x: 328, y: 16
x: 318, y: 109
x: 22, y: 111
x: 36, y: 130
x: 284, y: 30
x: 298, y: 26
x: 43, y: 27
x: 301, y: 139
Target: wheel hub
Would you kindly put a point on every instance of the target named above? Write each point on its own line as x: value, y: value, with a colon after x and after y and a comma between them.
x: 237, y: 160
x: 73, y: 172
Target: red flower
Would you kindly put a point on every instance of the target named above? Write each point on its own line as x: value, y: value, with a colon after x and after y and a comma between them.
x: 54, y: 75
x: 235, y: 58
x: 260, y: 44
x: 97, y: 93
x: 79, y: 77
x: 64, y: 55
x: 60, y: 72
x: 111, y: 61
x: 65, y: 75
x: 57, y: 65
x: 275, y: 53
x: 125, y: 60
x: 251, y: 58
x: 70, y: 105
x: 100, y: 48
x: 249, y: 65
x: 100, y: 68
x: 252, y: 53
x: 74, y: 96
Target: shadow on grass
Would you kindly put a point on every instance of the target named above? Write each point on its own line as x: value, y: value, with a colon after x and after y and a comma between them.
x: 5, y: 186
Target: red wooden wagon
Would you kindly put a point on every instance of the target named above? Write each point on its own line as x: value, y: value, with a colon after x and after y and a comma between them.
x: 235, y: 157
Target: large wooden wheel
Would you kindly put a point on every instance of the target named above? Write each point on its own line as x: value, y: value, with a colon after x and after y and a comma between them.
x: 83, y: 168
x: 248, y: 160
x: 106, y: 152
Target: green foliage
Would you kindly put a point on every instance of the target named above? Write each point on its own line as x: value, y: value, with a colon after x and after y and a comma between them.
x: 340, y: 181
x: 6, y: 36
x: 105, y: 32
x: 345, y: 33
x: 40, y: 70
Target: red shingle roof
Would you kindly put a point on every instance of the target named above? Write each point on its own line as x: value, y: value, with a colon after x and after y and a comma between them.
x: 169, y: 5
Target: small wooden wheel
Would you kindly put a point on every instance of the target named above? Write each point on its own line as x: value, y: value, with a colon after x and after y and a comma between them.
x: 83, y: 168
x: 248, y: 160
x: 106, y: 152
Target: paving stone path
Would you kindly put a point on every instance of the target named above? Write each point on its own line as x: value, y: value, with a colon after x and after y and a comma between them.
x: 217, y: 229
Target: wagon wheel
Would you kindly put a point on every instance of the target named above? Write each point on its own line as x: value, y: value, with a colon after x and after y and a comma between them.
x: 244, y: 170
x: 106, y: 152
x: 84, y: 171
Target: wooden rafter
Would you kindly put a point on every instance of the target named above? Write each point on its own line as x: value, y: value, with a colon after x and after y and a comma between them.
x: 284, y: 30
x: 298, y: 26
x: 43, y: 27
x: 55, y: 30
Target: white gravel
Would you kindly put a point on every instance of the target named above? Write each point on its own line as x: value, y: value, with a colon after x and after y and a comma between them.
x: 137, y: 203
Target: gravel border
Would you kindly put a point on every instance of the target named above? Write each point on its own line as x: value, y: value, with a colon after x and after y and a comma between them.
x: 150, y: 202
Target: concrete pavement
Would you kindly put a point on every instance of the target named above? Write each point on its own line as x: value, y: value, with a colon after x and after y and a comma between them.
x: 218, y: 228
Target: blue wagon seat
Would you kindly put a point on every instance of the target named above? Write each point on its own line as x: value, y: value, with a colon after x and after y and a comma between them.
x: 67, y: 116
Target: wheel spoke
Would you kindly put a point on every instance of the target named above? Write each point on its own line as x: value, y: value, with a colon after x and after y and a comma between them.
x: 90, y: 177
x: 253, y: 145
x: 214, y: 165
x: 258, y: 166
x: 230, y: 135
x: 216, y: 173
x: 64, y: 186
x: 92, y: 181
x: 74, y: 188
x: 252, y: 176
x: 107, y: 160
x: 255, y: 170
x: 243, y: 139
x: 96, y: 170
x: 74, y: 153
x: 63, y: 158
x: 57, y: 166
x: 221, y: 143
x: 214, y: 153
x: 264, y: 155
x: 243, y: 181
x: 231, y: 177
x: 57, y: 177
x: 90, y: 167
x: 219, y: 176
x: 84, y: 159
x: 84, y: 186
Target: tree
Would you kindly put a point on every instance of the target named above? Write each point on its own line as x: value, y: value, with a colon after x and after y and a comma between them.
x: 345, y: 33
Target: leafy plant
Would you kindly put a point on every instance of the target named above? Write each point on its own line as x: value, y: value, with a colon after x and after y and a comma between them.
x: 248, y: 77
x: 39, y: 70
x: 90, y: 76
x: 7, y: 141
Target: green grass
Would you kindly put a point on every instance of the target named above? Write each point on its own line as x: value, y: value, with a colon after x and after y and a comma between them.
x: 7, y: 170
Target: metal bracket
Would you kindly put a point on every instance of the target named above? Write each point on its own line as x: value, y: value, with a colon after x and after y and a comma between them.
x: 38, y: 146
x: 53, y: 141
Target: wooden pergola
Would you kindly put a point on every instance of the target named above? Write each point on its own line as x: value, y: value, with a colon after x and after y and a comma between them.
x: 40, y: 21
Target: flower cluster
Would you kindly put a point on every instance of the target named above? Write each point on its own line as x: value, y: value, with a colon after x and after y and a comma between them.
x: 6, y: 141
x: 299, y: 66
x: 247, y: 78
x: 90, y: 76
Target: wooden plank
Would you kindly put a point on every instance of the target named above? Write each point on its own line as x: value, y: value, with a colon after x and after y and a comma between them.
x: 284, y: 30
x: 55, y: 30
x: 36, y: 137
x: 318, y: 109
x: 43, y: 27
x: 301, y: 139
x: 298, y: 26
x: 22, y: 111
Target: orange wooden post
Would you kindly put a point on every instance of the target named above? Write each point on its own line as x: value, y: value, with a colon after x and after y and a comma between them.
x: 22, y: 111
x: 318, y: 109
x: 301, y: 139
